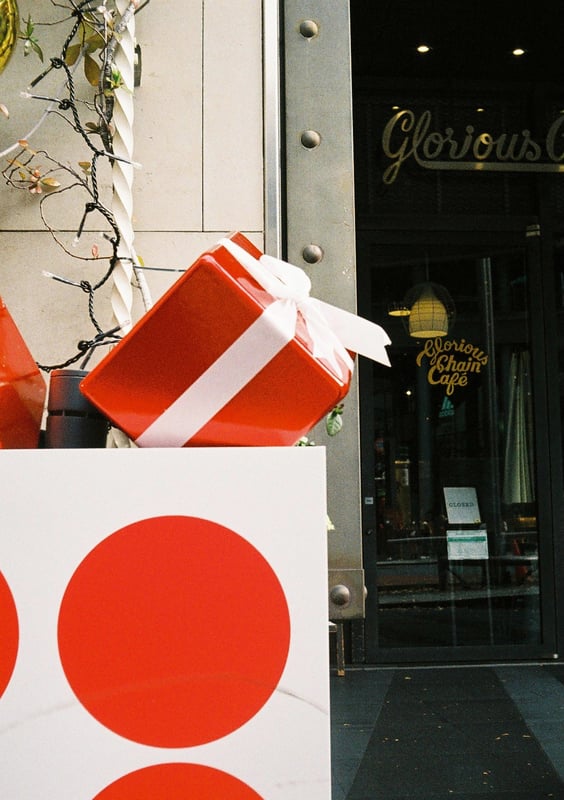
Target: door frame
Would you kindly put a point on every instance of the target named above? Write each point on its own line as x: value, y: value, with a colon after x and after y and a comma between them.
x: 515, y: 231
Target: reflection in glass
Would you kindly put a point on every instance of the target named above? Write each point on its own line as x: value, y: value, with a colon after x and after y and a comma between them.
x: 456, y: 411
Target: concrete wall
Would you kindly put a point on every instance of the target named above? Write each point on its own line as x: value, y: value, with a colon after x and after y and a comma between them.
x: 198, y: 134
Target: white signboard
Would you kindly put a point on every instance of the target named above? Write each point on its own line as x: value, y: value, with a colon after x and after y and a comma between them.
x: 163, y: 619
x: 467, y: 544
x: 461, y: 505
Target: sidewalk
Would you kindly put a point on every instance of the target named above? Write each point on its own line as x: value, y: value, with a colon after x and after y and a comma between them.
x: 450, y: 733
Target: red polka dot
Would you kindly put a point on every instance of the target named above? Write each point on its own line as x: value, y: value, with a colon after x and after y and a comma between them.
x: 9, y: 634
x: 178, y: 782
x: 173, y: 631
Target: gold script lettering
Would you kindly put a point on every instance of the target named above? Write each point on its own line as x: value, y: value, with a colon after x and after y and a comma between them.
x: 553, y: 132
x: 407, y: 135
x: 450, y: 362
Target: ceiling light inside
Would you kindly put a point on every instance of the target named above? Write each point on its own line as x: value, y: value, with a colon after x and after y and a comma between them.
x: 398, y: 310
x: 423, y: 48
x: 518, y: 51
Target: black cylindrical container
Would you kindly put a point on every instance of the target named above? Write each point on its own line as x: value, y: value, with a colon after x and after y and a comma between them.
x: 72, y: 420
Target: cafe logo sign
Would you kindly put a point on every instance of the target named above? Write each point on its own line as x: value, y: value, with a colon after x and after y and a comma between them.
x: 451, y: 362
x: 408, y: 136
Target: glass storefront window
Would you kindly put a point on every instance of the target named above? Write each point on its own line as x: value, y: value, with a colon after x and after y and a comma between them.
x: 458, y: 183
x: 454, y: 454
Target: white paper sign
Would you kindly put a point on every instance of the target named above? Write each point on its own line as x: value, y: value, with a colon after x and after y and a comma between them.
x: 461, y: 505
x: 163, y: 619
x: 467, y: 544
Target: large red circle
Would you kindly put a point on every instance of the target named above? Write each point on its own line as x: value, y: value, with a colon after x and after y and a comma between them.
x: 178, y: 782
x: 173, y: 631
x: 9, y: 634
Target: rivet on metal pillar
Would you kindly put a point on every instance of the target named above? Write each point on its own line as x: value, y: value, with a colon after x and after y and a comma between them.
x: 312, y: 254
x: 309, y: 28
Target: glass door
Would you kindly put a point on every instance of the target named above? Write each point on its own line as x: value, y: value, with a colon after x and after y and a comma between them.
x: 453, y: 555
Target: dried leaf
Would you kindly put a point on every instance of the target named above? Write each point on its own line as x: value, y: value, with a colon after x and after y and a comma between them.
x: 95, y: 42
x: 73, y: 53
x: 4, y: 110
x: 91, y: 70
x: 50, y: 183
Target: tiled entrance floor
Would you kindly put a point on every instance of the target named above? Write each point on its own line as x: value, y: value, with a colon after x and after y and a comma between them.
x: 449, y: 733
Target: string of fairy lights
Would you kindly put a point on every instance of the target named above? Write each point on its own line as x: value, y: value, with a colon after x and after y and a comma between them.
x: 67, y: 106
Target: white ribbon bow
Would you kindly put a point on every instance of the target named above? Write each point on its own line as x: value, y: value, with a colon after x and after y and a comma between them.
x: 333, y: 330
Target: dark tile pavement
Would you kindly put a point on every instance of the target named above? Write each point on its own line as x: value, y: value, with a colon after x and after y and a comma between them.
x: 448, y: 733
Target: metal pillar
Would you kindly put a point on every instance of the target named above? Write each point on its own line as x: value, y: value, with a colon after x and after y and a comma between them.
x: 320, y: 238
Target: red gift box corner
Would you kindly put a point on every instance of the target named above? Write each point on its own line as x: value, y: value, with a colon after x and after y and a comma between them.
x: 181, y: 338
x: 22, y: 388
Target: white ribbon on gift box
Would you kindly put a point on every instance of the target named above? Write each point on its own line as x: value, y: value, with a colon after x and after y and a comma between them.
x: 333, y: 331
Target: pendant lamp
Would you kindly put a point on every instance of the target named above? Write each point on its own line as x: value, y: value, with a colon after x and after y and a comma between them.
x: 428, y: 317
x: 428, y: 309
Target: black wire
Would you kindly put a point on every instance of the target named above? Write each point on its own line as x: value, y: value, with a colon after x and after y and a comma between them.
x: 85, y: 349
x: 69, y: 103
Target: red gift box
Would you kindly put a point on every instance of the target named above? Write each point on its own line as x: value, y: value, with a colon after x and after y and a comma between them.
x: 233, y: 354
x: 22, y: 388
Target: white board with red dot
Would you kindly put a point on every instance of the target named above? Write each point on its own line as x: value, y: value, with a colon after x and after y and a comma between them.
x: 163, y: 619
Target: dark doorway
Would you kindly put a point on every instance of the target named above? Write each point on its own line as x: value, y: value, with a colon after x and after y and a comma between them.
x: 458, y: 181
